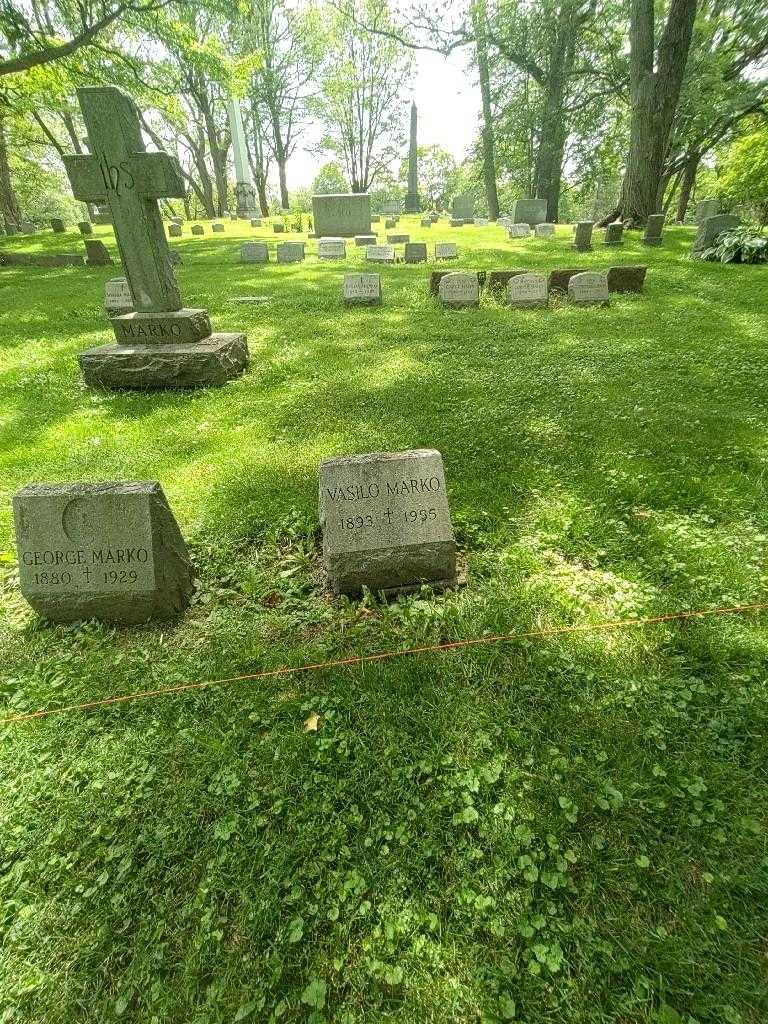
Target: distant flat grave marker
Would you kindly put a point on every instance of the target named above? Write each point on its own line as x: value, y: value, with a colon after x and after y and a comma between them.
x: 386, y: 522
x: 254, y: 252
x: 398, y: 239
x: 519, y: 231
x: 446, y: 251
x: 544, y: 230
x: 380, y: 254
x: 110, y: 551
x: 117, y: 297
x: 415, y: 252
x: 362, y: 289
x: 332, y: 249
x: 365, y: 240
x: 290, y: 252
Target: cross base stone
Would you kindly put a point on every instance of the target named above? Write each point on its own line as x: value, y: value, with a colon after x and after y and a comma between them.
x: 179, y: 327
x: 208, y: 363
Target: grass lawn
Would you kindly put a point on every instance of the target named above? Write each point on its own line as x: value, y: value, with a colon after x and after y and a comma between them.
x: 553, y: 831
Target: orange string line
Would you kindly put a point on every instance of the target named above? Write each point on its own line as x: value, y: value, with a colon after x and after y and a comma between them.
x: 384, y: 656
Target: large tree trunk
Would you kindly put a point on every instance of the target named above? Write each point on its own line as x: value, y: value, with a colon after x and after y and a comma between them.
x: 549, y: 158
x: 655, y: 82
x: 284, y: 200
x: 480, y: 25
x: 690, y: 169
x: 256, y: 158
x: 9, y: 204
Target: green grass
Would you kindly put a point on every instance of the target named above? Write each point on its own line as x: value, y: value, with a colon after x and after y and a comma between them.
x: 570, y: 829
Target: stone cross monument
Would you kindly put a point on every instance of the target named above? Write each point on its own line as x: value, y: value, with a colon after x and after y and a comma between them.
x: 162, y: 343
x: 412, y: 201
x: 245, y: 193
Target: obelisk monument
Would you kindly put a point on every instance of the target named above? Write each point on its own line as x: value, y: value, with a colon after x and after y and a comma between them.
x: 245, y: 193
x: 412, y: 201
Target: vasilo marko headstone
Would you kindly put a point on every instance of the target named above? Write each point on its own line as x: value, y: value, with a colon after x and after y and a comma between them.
x: 290, y: 252
x: 109, y: 551
x: 343, y: 215
x: 530, y: 211
x: 117, y: 297
x: 332, y: 249
x: 161, y: 344
x: 654, y: 229
x: 711, y: 228
x: 527, y: 290
x: 582, y: 241
x: 463, y: 207
x: 589, y: 288
x: 254, y: 252
x: 362, y: 289
x: 614, y: 233
x: 386, y: 522
x: 459, y: 289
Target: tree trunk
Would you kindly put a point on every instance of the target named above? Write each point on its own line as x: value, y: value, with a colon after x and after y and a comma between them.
x: 655, y: 82
x: 480, y: 25
x: 549, y: 158
x: 9, y: 204
x: 285, y: 202
x: 690, y: 169
x: 257, y: 161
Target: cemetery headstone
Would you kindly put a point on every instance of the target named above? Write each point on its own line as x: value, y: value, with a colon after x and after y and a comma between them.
x: 481, y: 222
x: 254, y: 252
x: 589, y: 288
x: 712, y: 227
x: 96, y: 253
x: 290, y: 252
x: 375, y: 218
x: 544, y: 230
x: 398, y: 239
x: 434, y: 217
x: 437, y: 276
x: 27, y: 228
x: 332, y: 249
x: 456, y: 222
x: 255, y: 222
x: 162, y: 343
x: 426, y: 222
x: 362, y: 289
x: 85, y: 227
x: 386, y: 522
x: 380, y: 254
x: 278, y: 227
x: 365, y: 239
x: 390, y: 222
x: 110, y: 551
x: 174, y: 231
x: 446, y: 251
x: 614, y: 233
x: 707, y: 208
x: 177, y: 220
x: 459, y: 289
x: 526, y: 290
x: 519, y: 230
x: 117, y: 297
x: 198, y: 229
x: 626, y: 279
x: 530, y: 211
x: 463, y: 207
x: 415, y: 252
x: 57, y: 226
x: 342, y: 215
x: 582, y: 240
x: 654, y: 228
x: 217, y: 227
x: 391, y: 208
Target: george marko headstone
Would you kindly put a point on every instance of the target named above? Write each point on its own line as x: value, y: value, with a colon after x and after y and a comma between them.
x: 174, y: 231
x: 380, y: 254
x: 446, y: 251
x: 415, y: 252
x: 398, y: 239
x: 544, y: 230
x: 614, y: 233
x: 198, y: 229
x: 290, y: 252
x: 463, y: 207
x: 712, y: 227
x: 342, y: 215
x: 332, y: 249
x: 96, y: 253
x: 85, y: 227
x: 459, y: 289
x: 362, y: 289
x: 386, y: 522
x: 161, y: 344
x: 589, y: 288
x: 365, y: 240
x: 217, y: 227
x: 582, y: 240
x: 524, y: 290
x: 110, y: 551
x: 278, y: 227
x: 654, y: 229
x: 707, y: 208
x: 57, y: 226
x: 530, y: 211
x: 254, y: 252
x: 117, y: 297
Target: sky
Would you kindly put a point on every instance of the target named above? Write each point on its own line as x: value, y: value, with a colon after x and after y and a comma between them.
x: 448, y: 101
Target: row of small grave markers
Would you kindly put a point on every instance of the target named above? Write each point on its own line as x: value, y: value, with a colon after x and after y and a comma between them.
x: 336, y: 249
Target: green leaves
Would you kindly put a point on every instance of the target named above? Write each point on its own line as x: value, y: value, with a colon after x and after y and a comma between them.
x: 314, y: 994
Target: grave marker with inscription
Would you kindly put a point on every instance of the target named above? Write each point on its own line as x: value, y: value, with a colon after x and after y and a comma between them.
x: 415, y: 252
x: 278, y: 227
x: 110, y: 551
x: 589, y: 288
x: 332, y: 249
x: 398, y: 239
x: 254, y: 252
x: 365, y: 240
x: 386, y: 522
x: 342, y: 215
x: 519, y: 231
x: 426, y: 222
x: 544, y: 230
x: 117, y: 297
x: 524, y: 290
x: 582, y: 240
x: 362, y: 289
x: 446, y: 251
x: 380, y: 254
x: 530, y: 211
x: 161, y: 344
x: 459, y: 289
x: 614, y: 233
x: 290, y: 252
x: 654, y: 228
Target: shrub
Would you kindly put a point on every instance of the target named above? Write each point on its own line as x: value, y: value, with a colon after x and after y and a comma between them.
x: 738, y: 245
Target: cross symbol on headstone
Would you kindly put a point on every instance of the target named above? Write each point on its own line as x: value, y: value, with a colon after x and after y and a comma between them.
x: 121, y: 173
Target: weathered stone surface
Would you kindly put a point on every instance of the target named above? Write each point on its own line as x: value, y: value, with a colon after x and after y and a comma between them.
x: 332, y: 249
x: 386, y: 522
x: 463, y: 207
x: 712, y: 227
x: 654, y: 228
x: 57, y: 225
x: 589, y: 288
x: 446, y: 251
x: 582, y: 240
x: 365, y: 240
x: 217, y: 227
x: 626, y: 279
x: 254, y: 252
x: 544, y: 230
x: 391, y: 208
x: 437, y: 275
x: 290, y: 252
x: 459, y: 288
x: 198, y: 229
x: 342, y: 215
x: 519, y: 231
x: 375, y: 218
x: 96, y: 253
x: 614, y: 233
x: 174, y: 231
x: 27, y: 228
x: 210, y: 362
x: 498, y: 280
x: 278, y: 227
x: 362, y: 289
x: 434, y: 217
x: 415, y: 252
x: 179, y: 327
x: 110, y: 551
x: 398, y: 239
x: 707, y: 208
x: 117, y: 297
x: 85, y: 227
x: 530, y: 211
x: 426, y: 222
x: 526, y: 290
x: 380, y: 254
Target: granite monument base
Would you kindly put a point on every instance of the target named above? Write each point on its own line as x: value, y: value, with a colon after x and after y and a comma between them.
x: 207, y: 363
